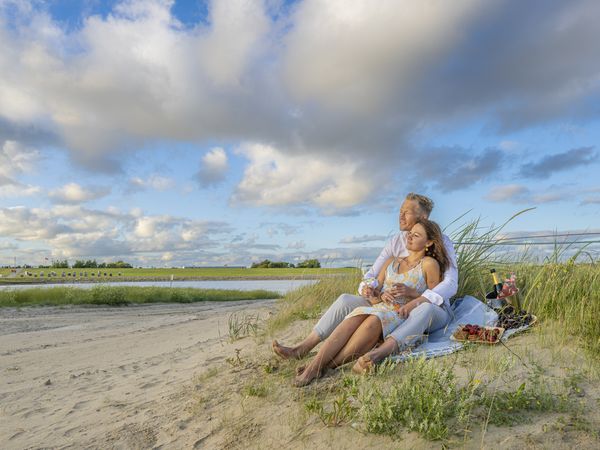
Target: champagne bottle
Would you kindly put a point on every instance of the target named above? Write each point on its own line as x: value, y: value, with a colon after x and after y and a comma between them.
x: 497, y: 283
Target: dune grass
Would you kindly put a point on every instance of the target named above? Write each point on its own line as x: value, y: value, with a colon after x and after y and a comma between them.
x: 125, y: 295
x: 427, y: 397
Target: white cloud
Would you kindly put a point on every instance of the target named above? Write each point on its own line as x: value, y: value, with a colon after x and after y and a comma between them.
x: 15, y: 158
x: 233, y: 41
x: 362, y: 239
x: 74, y: 231
x: 74, y: 193
x: 10, y: 190
x: 510, y: 146
x: 356, y: 56
x: 273, y: 178
x: 349, y: 81
x: 517, y: 193
x: 213, y: 168
x: 297, y: 245
x: 508, y: 192
x: 154, y: 181
x: 137, y: 74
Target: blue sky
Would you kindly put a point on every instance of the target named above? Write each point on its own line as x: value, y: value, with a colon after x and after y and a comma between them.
x: 224, y: 132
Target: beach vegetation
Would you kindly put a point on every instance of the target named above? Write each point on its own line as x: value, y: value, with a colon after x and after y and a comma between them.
x: 242, y: 325
x: 445, y: 398
x: 256, y: 388
x: 125, y: 295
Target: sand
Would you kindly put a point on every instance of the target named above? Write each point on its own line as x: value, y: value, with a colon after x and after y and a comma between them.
x: 167, y: 376
x: 82, y: 377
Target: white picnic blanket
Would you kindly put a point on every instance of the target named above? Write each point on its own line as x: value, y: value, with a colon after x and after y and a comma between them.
x: 466, y: 310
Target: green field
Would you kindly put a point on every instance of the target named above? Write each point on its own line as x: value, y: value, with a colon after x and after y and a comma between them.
x: 165, y: 274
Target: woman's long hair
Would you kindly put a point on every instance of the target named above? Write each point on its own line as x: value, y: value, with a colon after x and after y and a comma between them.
x: 436, y: 250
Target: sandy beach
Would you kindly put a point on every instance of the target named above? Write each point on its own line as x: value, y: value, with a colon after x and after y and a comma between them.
x: 168, y: 376
x: 107, y: 377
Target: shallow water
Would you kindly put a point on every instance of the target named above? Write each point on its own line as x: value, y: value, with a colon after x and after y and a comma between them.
x: 280, y: 286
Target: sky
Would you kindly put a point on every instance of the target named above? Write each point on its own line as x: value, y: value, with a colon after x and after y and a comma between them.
x: 224, y: 132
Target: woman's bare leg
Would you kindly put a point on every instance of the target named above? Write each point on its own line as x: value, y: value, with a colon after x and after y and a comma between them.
x: 297, y: 351
x: 331, y: 347
x: 363, y: 340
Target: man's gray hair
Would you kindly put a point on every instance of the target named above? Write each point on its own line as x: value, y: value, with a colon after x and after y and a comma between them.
x: 425, y: 203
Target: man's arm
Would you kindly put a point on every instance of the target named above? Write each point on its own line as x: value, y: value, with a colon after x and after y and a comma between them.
x: 449, y: 285
x: 386, y: 253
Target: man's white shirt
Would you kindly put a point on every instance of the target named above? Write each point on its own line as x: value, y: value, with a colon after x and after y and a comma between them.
x: 396, y: 247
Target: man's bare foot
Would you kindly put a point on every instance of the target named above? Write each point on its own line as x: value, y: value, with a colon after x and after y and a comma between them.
x: 300, y: 369
x: 285, y: 352
x: 363, y: 365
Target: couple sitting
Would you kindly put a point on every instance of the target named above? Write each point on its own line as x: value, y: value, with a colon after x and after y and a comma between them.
x: 416, y: 276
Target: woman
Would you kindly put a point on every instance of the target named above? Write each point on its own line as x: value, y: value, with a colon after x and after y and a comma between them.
x: 395, y: 320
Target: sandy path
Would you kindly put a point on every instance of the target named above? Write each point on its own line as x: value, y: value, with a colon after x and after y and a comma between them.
x: 80, y: 377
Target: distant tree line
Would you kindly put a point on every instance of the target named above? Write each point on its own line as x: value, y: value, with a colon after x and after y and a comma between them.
x: 267, y: 264
x: 89, y: 264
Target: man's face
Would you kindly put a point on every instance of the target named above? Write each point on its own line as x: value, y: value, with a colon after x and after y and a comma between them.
x: 409, y: 214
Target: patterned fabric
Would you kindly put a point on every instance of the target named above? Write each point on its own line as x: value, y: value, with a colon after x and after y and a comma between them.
x: 387, y: 314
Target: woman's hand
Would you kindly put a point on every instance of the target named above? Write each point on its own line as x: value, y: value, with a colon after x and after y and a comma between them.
x: 405, y: 310
x: 387, y: 297
x: 402, y: 290
x: 368, y: 292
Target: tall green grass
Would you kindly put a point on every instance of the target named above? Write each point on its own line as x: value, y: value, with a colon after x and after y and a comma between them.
x: 308, y: 302
x: 117, y: 296
x: 566, y: 292
x: 556, y: 288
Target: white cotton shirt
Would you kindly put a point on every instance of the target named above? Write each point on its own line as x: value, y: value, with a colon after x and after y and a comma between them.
x: 396, y: 247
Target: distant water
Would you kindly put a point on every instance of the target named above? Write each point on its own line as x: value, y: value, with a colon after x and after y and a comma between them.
x: 280, y: 286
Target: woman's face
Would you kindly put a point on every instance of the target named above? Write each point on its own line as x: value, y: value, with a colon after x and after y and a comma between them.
x: 417, y: 238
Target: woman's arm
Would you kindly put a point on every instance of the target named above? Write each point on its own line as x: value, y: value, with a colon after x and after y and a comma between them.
x: 431, y: 272
x: 380, y: 280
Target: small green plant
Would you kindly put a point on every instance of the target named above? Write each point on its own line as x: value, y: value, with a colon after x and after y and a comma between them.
x: 333, y: 415
x: 235, y: 361
x: 255, y: 389
x: 241, y: 326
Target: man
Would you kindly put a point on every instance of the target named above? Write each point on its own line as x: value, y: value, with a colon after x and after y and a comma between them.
x: 413, y: 208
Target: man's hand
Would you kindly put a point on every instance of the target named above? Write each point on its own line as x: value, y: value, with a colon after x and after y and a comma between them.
x: 402, y: 290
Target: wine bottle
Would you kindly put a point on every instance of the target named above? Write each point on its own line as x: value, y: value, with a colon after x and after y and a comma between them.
x: 497, y: 283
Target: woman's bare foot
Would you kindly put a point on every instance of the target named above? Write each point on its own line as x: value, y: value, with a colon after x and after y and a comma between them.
x: 300, y: 369
x: 285, y: 352
x: 307, y: 376
x: 363, y: 365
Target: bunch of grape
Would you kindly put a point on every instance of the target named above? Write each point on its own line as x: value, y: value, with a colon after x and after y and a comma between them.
x: 509, y: 317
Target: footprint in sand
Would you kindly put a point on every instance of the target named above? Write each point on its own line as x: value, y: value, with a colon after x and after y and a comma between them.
x: 16, y: 435
x: 149, y: 384
x: 28, y: 414
x: 215, y: 359
x: 77, y: 406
